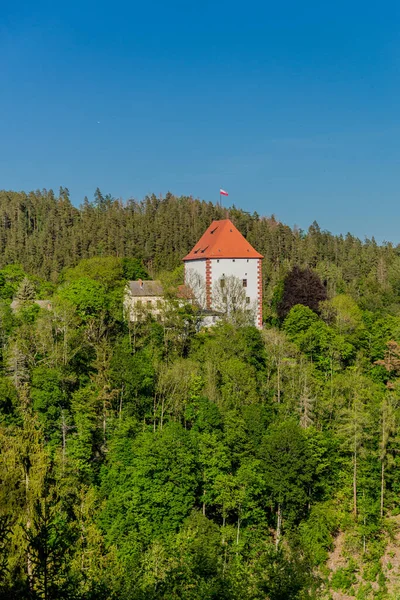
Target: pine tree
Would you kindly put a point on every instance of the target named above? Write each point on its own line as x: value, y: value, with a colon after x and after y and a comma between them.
x: 26, y: 291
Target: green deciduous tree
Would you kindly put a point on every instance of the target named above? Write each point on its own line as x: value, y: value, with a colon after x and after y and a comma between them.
x: 87, y: 295
x: 288, y: 471
x: 158, y: 493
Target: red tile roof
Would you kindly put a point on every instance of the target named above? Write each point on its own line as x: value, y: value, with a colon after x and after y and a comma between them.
x: 222, y: 240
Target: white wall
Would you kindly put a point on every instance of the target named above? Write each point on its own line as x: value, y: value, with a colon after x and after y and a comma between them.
x: 195, y: 278
x: 242, y: 268
x: 196, y: 266
x: 136, y: 307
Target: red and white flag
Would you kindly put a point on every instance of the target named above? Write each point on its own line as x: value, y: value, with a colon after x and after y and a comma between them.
x: 223, y: 192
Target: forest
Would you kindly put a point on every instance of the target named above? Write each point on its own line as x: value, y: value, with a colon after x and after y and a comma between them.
x: 159, y: 460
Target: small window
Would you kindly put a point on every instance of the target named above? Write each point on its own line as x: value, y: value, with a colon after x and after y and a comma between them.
x: 233, y: 260
x: 244, y: 282
x: 222, y: 283
x: 247, y: 260
x: 247, y: 299
x: 149, y: 303
x: 217, y: 259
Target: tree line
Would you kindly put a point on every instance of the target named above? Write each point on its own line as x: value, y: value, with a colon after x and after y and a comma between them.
x: 46, y: 234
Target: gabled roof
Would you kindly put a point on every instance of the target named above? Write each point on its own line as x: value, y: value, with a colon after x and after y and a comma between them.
x: 145, y: 288
x: 222, y: 240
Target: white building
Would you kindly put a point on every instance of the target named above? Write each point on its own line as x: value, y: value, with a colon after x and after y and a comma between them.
x: 223, y: 252
x: 143, y: 297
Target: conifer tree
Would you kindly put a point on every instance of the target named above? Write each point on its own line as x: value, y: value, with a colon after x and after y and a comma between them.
x: 26, y: 291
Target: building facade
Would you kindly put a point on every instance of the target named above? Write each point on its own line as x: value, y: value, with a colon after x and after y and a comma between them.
x: 223, y: 255
x: 142, y: 298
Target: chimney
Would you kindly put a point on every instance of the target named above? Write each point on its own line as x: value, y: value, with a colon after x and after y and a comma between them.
x: 141, y: 284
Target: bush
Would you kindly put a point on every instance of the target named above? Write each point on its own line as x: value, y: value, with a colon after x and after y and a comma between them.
x: 343, y: 579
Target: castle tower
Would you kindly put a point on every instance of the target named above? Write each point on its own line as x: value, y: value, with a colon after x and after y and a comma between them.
x: 222, y: 251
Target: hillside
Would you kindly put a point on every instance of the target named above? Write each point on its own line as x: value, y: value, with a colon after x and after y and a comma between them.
x: 154, y: 461
x: 45, y: 234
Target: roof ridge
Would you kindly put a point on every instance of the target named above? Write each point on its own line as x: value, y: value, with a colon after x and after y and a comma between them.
x: 217, y: 242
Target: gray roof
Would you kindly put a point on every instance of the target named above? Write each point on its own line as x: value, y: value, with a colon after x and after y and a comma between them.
x: 146, y: 288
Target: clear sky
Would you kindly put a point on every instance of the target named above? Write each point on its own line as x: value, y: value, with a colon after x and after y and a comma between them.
x: 293, y: 107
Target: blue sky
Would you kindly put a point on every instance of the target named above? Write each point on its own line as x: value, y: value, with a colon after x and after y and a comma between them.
x: 293, y: 107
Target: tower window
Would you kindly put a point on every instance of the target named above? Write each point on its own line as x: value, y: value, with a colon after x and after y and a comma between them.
x: 222, y: 283
x: 244, y: 282
x: 247, y: 299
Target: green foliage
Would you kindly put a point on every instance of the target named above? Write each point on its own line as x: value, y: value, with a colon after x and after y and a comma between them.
x: 87, y: 295
x: 8, y: 401
x: 316, y: 338
x: 152, y: 460
x: 108, y: 271
x: 134, y: 375
x: 299, y: 320
x: 13, y: 274
x: 11, y: 277
x: 343, y: 579
x: 287, y: 466
x: 317, y: 531
x: 49, y: 542
x: 348, y: 315
x: 27, y: 313
x: 48, y: 398
x: 85, y: 446
x: 133, y: 269
x: 171, y: 280
x: 25, y: 291
x: 159, y: 491
x: 287, y: 575
x: 5, y: 543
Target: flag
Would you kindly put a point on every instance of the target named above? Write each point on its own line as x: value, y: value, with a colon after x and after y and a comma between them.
x: 223, y: 192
